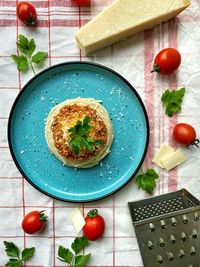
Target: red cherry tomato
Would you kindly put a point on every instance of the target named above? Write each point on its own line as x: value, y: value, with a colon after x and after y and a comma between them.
x: 82, y: 2
x: 167, y: 61
x: 94, y: 225
x: 33, y: 222
x: 185, y: 134
x: 27, y: 13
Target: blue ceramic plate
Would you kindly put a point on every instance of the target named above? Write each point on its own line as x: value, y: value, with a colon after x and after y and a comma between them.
x: 27, y: 140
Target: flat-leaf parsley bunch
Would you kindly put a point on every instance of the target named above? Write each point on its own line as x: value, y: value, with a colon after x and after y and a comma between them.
x: 147, y: 180
x: 73, y: 259
x: 27, y: 59
x: 13, y: 251
x: 79, y: 138
x: 172, y: 100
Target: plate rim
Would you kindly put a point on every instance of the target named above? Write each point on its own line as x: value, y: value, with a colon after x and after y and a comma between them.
x: 94, y: 64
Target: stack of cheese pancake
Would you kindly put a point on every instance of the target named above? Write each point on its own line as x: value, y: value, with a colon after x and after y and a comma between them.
x: 64, y: 118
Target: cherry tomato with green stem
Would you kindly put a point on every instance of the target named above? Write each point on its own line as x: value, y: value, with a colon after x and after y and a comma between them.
x: 167, y: 61
x: 34, y: 222
x: 94, y: 225
x: 185, y: 134
x: 27, y: 13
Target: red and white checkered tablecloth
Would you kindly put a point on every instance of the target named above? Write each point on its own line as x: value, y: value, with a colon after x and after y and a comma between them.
x: 58, y: 22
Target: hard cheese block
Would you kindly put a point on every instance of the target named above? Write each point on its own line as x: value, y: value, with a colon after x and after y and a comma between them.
x: 124, y: 18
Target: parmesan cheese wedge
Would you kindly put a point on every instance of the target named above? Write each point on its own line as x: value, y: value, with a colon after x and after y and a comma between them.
x: 164, y: 151
x: 78, y: 220
x: 124, y: 18
x: 174, y: 159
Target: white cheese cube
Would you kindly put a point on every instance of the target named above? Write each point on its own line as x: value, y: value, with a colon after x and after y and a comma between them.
x: 173, y: 160
x: 124, y: 18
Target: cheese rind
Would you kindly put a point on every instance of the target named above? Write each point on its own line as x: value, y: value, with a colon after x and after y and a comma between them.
x: 165, y: 151
x: 173, y: 160
x: 77, y: 219
x: 124, y: 18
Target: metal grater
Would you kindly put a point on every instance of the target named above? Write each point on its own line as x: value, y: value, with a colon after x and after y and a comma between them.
x: 168, y: 229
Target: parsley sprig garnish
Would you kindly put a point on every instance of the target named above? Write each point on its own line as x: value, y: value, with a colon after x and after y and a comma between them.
x: 79, y: 138
x: 75, y: 260
x: 13, y: 251
x: 147, y: 180
x: 172, y: 100
x: 26, y: 58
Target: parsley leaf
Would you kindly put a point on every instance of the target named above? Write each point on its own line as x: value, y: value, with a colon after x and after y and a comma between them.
x: 27, y: 253
x: 79, y: 243
x: 65, y: 255
x: 147, y: 181
x: 172, y: 100
x: 13, y: 263
x: 26, y: 60
x: 22, y: 62
x: 79, y: 136
x: 13, y: 251
x: 25, y: 46
x: 39, y: 57
x: 80, y: 261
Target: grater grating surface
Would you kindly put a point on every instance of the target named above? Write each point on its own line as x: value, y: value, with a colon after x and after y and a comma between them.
x: 168, y: 229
